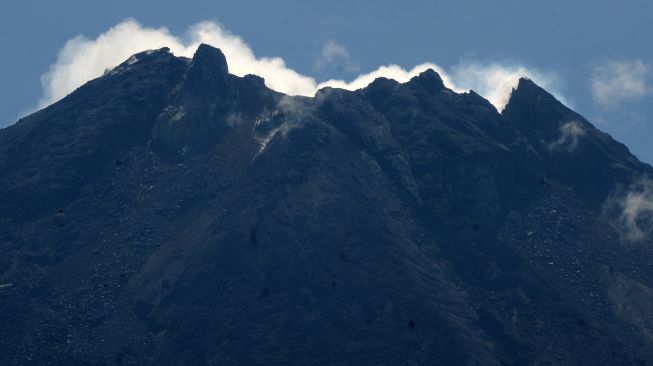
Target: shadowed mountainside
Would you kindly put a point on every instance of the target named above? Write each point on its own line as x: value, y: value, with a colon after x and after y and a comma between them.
x: 171, y: 213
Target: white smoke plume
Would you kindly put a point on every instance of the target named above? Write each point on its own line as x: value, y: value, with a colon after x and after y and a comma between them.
x: 570, y: 134
x: 82, y: 59
x: 632, y: 210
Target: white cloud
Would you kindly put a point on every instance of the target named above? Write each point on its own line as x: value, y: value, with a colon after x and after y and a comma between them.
x: 494, y: 81
x: 82, y: 59
x: 633, y: 210
x: 617, y: 81
x: 334, y: 53
x: 391, y: 72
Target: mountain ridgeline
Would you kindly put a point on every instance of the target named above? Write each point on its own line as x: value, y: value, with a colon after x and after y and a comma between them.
x: 170, y: 213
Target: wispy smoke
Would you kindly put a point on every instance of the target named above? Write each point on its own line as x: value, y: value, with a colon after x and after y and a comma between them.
x: 495, y: 80
x: 82, y: 59
x: 614, y: 82
x: 632, y: 210
x: 289, y: 114
x: 334, y: 53
x: 570, y: 134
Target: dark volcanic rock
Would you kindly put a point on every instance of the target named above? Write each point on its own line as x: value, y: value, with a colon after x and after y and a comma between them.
x: 172, y: 213
x: 570, y: 147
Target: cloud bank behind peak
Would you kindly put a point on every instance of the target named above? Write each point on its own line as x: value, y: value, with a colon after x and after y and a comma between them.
x: 82, y: 59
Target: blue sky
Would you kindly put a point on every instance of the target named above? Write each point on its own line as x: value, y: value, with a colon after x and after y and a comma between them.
x: 597, y: 55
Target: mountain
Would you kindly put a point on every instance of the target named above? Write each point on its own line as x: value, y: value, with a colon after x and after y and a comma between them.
x: 171, y: 213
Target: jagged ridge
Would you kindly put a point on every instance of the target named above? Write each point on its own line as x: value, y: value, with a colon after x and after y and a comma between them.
x: 172, y: 213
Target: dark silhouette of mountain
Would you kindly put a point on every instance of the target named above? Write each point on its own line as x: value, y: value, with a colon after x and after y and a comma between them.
x: 170, y: 213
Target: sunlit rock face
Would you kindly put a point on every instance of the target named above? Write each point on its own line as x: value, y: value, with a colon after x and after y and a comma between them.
x: 171, y: 213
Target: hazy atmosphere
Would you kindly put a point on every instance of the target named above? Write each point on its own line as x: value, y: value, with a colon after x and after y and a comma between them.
x: 596, y: 59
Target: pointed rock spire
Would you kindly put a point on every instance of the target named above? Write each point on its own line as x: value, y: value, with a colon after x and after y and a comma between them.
x: 531, y: 108
x: 527, y: 91
x: 429, y: 80
x: 208, y: 73
x: 211, y: 58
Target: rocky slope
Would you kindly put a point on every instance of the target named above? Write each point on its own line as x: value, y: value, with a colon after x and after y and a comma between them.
x: 172, y: 213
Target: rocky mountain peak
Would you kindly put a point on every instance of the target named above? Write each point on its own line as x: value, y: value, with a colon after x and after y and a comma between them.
x: 430, y: 80
x: 208, y: 73
x: 210, y: 57
x: 530, y: 96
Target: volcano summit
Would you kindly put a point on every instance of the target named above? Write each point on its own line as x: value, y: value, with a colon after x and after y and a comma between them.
x: 170, y: 213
